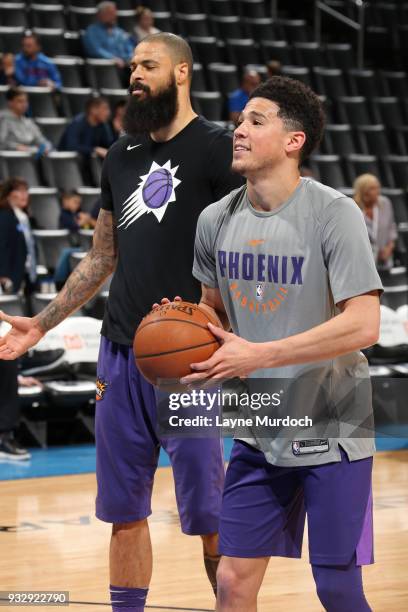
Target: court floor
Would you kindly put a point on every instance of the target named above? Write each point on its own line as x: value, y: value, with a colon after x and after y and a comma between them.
x: 49, y: 539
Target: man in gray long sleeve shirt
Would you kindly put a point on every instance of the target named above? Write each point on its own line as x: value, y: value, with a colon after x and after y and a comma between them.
x: 18, y: 132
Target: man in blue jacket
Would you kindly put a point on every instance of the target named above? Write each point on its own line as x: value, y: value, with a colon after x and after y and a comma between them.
x: 33, y: 68
x: 105, y: 40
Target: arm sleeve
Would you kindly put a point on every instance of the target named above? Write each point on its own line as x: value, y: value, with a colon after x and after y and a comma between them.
x: 106, y: 200
x: 222, y: 179
x: 204, y: 267
x: 347, y: 251
x: 93, y: 44
x: 3, y: 135
x: 72, y: 140
x: 55, y: 75
x: 392, y: 230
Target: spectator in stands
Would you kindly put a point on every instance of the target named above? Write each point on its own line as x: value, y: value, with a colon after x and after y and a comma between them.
x: 274, y: 68
x: 33, y: 68
x: 379, y: 218
x: 18, y: 132
x: 17, y: 246
x: 7, y: 76
x: 105, y: 40
x: 89, y: 133
x: 71, y: 216
x: 117, y: 119
x: 144, y: 23
x: 238, y: 98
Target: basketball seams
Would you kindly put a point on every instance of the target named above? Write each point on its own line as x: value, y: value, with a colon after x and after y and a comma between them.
x: 188, y: 348
x: 178, y: 321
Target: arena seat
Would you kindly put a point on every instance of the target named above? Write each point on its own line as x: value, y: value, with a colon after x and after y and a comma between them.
x: 10, y: 38
x: 339, y: 139
x: 206, y: 49
x: 373, y: 138
x: 89, y: 195
x: 21, y: 163
x: 193, y: 24
x: 353, y: 110
x: 13, y: 14
x: 62, y: 170
x: 72, y: 71
x: 328, y: 169
x: 50, y: 244
x: 52, y: 128
x: 363, y: 83
x: 48, y: 16
x: 278, y: 50
x: 53, y: 41
x: 242, y: 51
x: 310, y: 54
x: 330, y: 82
x: 208, y: 103
x: 13, y: 305
x: 45, y: 207
x: 73, y: 99
x: 41, y: 101
x: 103, y: 73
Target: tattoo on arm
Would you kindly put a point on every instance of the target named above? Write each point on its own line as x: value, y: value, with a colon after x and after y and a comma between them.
x: 87, y: 277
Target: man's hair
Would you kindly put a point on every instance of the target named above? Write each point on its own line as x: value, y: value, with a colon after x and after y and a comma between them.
x: 178, y: 48
x: 299, y: 108
x: 30, y: 34
x: 101, y: 6
x: 14, y: 92
x: 94, y: 102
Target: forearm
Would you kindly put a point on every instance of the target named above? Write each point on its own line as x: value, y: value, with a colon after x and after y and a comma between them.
x: 81, y: 285
x: 343, y: 334
x: 215, y: 313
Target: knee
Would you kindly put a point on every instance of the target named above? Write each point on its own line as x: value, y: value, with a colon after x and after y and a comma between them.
x: 230, y: 588
x: 210, y: 544
x: 128, y: 531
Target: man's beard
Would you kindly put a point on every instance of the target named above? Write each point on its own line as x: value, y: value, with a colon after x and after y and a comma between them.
x: 153, y: 112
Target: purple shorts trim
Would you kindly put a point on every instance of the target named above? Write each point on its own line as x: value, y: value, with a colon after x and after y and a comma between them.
x: 127, y: 451
x: 264, y: 508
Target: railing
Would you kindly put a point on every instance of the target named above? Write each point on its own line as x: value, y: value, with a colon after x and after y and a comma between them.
x: 359, y: 25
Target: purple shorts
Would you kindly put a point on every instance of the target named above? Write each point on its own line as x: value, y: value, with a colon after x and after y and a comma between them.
x: 127, y: 451
x: 264, y: 507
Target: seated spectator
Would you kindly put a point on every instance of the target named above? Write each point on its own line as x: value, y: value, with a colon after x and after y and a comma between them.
x: 18, y: 132
x: 105, y: 40
x: 17, y: 246
x: 33, y: 68
x: 117, y: 119
x: 144, y: 23
x: 89, y: 132
x: 274, y: 68
x: 379, y: 218
x: 239, y: 97
x: 71, y: 216
x: 7, y: 76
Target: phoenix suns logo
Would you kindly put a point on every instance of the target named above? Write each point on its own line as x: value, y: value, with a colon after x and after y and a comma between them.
x: 101, y: 386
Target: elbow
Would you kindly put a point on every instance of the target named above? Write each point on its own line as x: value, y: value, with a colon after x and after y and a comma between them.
x: 370, y: 335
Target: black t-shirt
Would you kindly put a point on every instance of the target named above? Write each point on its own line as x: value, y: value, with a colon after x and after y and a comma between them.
x: 156, y: 192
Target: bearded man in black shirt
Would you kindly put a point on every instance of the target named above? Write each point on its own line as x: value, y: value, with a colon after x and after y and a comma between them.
x: 155, y: 182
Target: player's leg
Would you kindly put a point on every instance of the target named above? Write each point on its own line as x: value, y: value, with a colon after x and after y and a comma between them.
x: 262, y: 515
x: 239, y: 581
x: 339, y: 509
x: 127, y: 454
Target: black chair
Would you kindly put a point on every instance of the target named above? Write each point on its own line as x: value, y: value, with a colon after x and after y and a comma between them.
x: 339, y: 139
x: 79, y: 18
x: 10, y: 38
x: 103, y: 73
x: 252, y: 8
x: 364, y: 83
x: 198, y: 82
x: 45, y: 207
x: 72, y: 71
x: 193, y: 24
x: 242, y: 51
x: 399, y: 168
x: 208, y: 103
x: 73, y: 41
x: 278, y: 50
x: 41, y: 101
x: 295, y: 30
x: 353, y: 110
x: 163, y: 21
x: 85, y: 238
x: 53, y: 41
x: 310, y: 54
x: 13, y: 305
x: 361, y: 164
x: 330, y: 82
x: 340, y: 55
x: 373, y: 139
x: 50, y: 244
x: 206, y: 49
x: 62, y: 170
x: 395, y: 83
x: 394, y: 297
x: 21, y: 163
x: 301, y: 73
x: 221, y: 8
x: 52, y: 128
x: 74, y: 98
x: 126, y: 20
x: 89, y: 196
x: 48, y: 16
x: 223, y: 78
x: 227, y: 27
x: 13, y: 14
x: 387, y: 110
x: 262, y: 28
x: 328, y: 169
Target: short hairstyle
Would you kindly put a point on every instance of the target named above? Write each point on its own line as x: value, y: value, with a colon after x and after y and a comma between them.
x: 14, y: 92
x: 94, y: 102
x: 101, y: 6
x: 9, y: 185
x: 299, y: 108
x: 361, y: 184
x: 30, y: 34
x: 178, y: 48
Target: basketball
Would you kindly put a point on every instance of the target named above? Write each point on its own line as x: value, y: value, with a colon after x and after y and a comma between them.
x: 157, y: 189
x: 170, y: 338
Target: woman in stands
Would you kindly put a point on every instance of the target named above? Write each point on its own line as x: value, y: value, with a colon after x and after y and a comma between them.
x: 379, y: 218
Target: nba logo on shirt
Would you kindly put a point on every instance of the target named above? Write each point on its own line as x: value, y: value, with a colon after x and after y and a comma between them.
x: 260, y: 289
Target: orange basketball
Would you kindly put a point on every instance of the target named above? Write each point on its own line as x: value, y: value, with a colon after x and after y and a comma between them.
x: 170, y: 338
